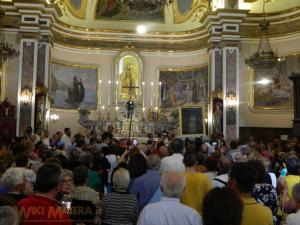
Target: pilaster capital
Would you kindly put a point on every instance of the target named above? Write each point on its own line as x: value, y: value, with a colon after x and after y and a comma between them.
x: 32, y: 18
x: 223, y: 26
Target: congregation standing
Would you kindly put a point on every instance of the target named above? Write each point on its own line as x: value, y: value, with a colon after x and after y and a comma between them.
x: 98, y: 179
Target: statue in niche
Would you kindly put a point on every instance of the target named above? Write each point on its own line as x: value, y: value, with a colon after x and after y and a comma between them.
x: 218, y: 119
x: 129, y: 82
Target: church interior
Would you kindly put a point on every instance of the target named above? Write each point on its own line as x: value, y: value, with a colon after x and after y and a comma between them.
x: 150, y: 112
x: 221, y: 68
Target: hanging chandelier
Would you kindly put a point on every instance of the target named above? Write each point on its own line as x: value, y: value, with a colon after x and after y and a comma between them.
x: 7, y: 50
x: 146, y: 6
x: 264, y: 57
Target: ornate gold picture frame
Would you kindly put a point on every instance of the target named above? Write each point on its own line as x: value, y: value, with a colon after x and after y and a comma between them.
x: 182, y: 86
x: 192, y: 120
x: 73, y: 86
x: 271, y: 89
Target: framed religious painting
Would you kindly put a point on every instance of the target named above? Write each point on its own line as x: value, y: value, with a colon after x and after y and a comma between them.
x: 73, y: 86
x: 128, y: 78
x: 183, y: 86
x: 272, y: 89
x: 192, y: 120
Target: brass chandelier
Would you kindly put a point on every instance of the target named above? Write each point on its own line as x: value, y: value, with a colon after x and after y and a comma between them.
x: 145, y: 6
x: 264, y: 57
x: 7, y: 50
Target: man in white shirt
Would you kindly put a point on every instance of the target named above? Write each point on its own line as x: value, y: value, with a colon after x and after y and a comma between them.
x: 175, y: 161
x: 46, y: 140
x: 294, y: 218
x: 169, y: 210
x: 66, y: 138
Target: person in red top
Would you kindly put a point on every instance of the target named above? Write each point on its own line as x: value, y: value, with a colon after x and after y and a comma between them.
x: 42, y: 208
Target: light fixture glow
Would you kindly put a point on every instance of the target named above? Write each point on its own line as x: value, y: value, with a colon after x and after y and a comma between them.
x: 231, y: 100
x: 141, y: 29
x: 264, y: 81
x: 26, y: 96
x: 54, y: 117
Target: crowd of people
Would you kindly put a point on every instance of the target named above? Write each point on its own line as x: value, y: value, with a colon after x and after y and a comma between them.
x: 98, y: 179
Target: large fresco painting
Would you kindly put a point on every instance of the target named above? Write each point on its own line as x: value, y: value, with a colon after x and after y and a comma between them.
x: 187, y: 86
x: 272, y: 87
x: 184, y: 6
x: 73, y: 86
x: 76, y: 3
x: 114, y: 10
x: 189, y: 9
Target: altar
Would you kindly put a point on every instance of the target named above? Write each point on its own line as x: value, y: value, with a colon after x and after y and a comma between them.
x: 142, y: 124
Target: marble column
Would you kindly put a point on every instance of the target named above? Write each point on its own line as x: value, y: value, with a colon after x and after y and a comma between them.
x: 231, y: 89
x: 27, y: 81
x: 224, y: 72
x: 34, y: 63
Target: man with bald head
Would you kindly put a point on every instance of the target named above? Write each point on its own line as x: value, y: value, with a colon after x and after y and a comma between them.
x: 169, y: 211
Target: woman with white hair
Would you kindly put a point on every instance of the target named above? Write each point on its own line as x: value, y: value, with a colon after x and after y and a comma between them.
x: 294, y: 218
x: 119, y: 207
x: 15, y: 182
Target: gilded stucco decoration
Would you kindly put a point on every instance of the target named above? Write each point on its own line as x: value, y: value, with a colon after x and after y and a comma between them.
x: 185, y: 9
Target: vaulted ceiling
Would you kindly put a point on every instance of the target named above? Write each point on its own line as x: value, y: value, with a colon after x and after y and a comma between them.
x: 182, y: 15
x: 182, y: 26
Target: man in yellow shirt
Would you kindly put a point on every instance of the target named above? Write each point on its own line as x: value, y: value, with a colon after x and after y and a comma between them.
x: 242, y: 178
x: 197, y: 184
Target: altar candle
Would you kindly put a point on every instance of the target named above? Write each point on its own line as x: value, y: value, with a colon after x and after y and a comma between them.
x: 152, y: 90
x: 144, y: 93
x: 108, y: 102
x: 100, y: 94
x: 116, y: 91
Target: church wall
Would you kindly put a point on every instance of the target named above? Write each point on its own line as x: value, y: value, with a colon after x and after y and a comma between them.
x: 152, y: 63
x: 263, y: 118
x: 105, y: 61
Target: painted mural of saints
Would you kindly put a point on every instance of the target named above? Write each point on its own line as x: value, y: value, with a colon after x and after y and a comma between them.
x: 76, y: 3
x: 108, y: 8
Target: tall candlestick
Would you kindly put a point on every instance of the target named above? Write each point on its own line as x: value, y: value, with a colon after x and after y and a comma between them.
x: 108, y: 102
x: 100, y: 94
x: 152, y: 84
x: 144, y: 93
x: 116, y: 92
